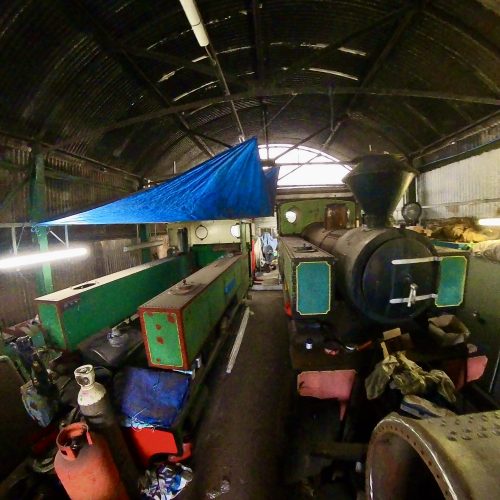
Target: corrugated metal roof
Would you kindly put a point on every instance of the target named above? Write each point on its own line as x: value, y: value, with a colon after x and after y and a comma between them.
x: 67, y: 72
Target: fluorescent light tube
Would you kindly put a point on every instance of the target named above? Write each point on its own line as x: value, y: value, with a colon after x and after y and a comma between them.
x: 41, y: 258
x: 194, y: 18
x: 495, y: 221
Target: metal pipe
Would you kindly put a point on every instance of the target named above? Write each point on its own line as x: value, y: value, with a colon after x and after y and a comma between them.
x: 193, y: 15
x: 225, y: 88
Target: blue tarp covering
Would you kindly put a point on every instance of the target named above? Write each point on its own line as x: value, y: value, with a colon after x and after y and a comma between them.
x: 231, y: 185
x: 150, y: 397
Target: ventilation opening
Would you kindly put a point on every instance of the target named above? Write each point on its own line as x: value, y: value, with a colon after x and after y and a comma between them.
x: 84, y: 285
x: 302, y: 166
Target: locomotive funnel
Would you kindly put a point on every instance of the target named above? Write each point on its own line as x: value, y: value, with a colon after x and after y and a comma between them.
x: 378, y: 182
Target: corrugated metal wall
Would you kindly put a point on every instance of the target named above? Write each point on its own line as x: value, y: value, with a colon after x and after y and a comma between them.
x: 467, y: 188
x: 17, y: 289
x: 71, y: 184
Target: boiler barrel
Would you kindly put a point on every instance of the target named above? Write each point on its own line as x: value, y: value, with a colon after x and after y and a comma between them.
x: 325, y: 239
x: 366, y: 276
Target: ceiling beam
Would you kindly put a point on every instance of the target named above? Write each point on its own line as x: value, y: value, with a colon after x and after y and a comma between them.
x: 379, y: 123
x: 160, y: 150
x: 77, y: 14
x: 421, y: 116
x: 260, y: 66
x: 463, y: 30
x: 90, y: 162
x: 274, y: 91
x: 336, y: 44
x: 180, y: 62
x: 378, y: 62
x: 302, y: 141
x: 443, y: 141
x: 225, y: 88
x: 259, y: 55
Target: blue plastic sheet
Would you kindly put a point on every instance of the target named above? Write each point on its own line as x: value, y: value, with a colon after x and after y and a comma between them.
x: 231, y: 185
x: 150, y: 398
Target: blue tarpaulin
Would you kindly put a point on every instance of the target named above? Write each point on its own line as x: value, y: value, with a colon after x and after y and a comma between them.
x: 147, y: 397
x: 231, y: 185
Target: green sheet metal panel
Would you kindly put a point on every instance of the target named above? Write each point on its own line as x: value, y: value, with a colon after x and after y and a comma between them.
x: 452, y: 274
x: 301, y: 277
x: 206, y: 254
x: 481, y: 314
x: 197, y: 312
x: 166, y: 349
x: 313, y: 288
x: 75, y: 313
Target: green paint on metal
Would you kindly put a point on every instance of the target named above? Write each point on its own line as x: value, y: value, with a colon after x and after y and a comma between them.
x: 313, y: 288
x: 308, y: 211
x: 164, y: 345
x: 205, y: 254
x: 452, y: 273
x: 200, y: 315
x: 481, y: 314
x: 286, y: 264
x: 37, y: 211
x: 291, y: 257
x: 51, y: 321
x: 83, y: 312
x: 144, y: 237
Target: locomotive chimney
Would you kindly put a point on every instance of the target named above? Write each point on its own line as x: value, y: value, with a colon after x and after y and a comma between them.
x: 378, y: 182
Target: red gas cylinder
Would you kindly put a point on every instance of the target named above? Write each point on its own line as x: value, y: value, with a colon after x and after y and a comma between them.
x: 85, y: 466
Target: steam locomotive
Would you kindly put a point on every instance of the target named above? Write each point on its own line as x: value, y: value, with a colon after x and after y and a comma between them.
x: 364, y: 279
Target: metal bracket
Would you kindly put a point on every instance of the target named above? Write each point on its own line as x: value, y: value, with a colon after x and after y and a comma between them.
x: 419, y: 260
x: 416, y: 298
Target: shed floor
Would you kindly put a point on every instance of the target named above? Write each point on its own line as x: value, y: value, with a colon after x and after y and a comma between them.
x: 241, y: 437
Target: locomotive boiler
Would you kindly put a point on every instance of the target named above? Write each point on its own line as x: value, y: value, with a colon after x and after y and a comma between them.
x: 385, y: 275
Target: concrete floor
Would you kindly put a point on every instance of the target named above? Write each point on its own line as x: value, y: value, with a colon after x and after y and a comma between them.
x: 241, y: 437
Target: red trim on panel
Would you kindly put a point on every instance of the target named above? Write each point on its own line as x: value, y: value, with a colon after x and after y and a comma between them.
x: 182, y: 340
x: 144, y: 336
x: 187, y: 451
x: 149, y: 442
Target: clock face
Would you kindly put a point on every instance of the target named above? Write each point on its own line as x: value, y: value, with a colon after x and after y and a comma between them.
x: 411, y: 212
x: 201, y: 232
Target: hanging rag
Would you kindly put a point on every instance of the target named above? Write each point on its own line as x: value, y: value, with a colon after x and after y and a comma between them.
x: 408, y: 377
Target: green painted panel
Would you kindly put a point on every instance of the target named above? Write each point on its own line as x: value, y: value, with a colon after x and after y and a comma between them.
x: 199, y: 313
x: 291, y: 257
x: 308, y: 211
x: 205, y: 254
x: 286, y: 266
x: 481, y: 314
x: 313, y: 288
x: 82, y: 313
x: 452, y: 273
x: 51, y: 323
x: 164, y: 347
x: 202, y: 314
